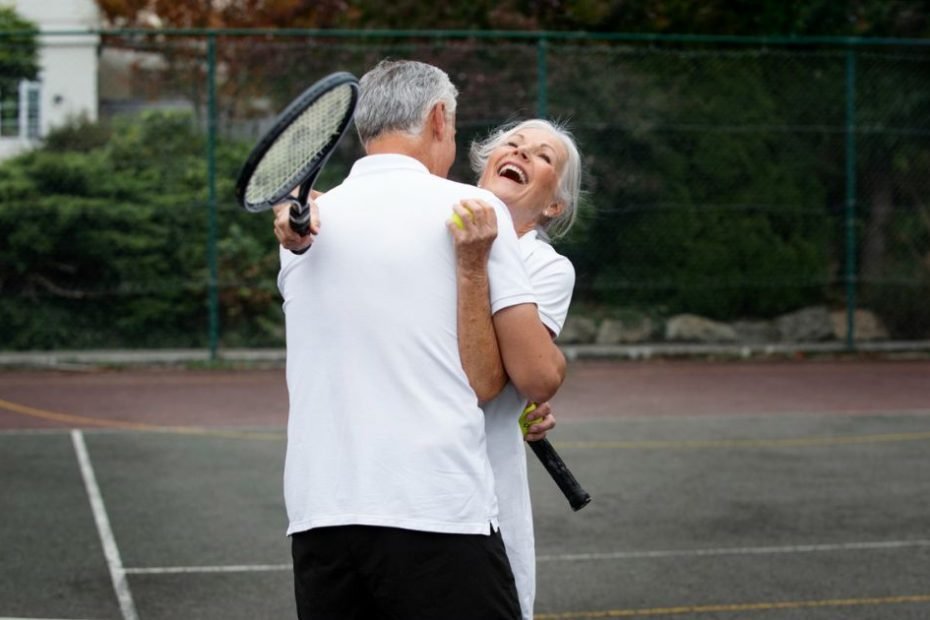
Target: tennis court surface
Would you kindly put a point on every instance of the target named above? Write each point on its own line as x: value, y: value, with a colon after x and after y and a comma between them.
x: 761, y: 489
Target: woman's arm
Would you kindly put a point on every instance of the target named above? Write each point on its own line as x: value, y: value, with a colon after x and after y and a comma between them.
x: 512, y: 344
x: 481, y: 358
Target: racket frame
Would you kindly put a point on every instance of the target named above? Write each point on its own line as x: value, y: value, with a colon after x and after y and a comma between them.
x: 304, y: 180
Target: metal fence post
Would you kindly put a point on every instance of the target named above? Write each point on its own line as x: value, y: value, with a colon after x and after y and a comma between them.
x: 212, y: 288
x: 542, y: 78
x: 850, y: 211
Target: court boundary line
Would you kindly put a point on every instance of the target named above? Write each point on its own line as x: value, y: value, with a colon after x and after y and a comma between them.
x: 110, y: 549
x: 794, y: 442
x: 877, y: 545
x: 106, y: 424
x: 746, y: 415
x: 786, y: 442
x: 12, y: 618
x: 735, y: 607
x: 231, y: 568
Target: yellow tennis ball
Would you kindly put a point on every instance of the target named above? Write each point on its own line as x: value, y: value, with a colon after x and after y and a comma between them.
x: 457, y: 220
x: 524, y: 423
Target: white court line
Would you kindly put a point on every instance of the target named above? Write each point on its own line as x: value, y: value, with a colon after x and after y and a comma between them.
x: 679, y: 553
x: 110, y: 550
x: 175, y: 570
x: 581, y: 557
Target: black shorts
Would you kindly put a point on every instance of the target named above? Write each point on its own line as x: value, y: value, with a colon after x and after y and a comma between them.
x: 358, y: 572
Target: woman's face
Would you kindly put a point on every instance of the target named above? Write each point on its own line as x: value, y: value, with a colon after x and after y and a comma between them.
x: 524, y: 173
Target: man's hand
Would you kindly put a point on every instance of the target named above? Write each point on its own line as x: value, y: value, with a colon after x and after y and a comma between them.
x: 286, y: 236
x: 537, y: 422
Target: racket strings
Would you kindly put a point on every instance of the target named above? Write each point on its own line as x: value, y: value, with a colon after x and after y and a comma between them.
x: 299, y: 146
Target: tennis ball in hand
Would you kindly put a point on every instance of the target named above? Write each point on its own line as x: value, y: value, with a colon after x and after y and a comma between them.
x: 457, y: 220
x: 524, y: 423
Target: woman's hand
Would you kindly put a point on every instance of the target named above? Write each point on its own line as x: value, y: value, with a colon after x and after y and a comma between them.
x: 473, y: 233
x: 539, y: 421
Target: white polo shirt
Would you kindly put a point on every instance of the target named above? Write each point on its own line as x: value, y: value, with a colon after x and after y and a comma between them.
x: 384, y: 428
x: 553, y: 279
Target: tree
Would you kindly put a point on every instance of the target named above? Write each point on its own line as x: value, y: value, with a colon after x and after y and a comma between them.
x: 226, y: 14
x: 18, y: 51
x: 104, y: 241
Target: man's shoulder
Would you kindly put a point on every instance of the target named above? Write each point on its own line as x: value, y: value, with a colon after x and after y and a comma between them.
x: 466, y: 190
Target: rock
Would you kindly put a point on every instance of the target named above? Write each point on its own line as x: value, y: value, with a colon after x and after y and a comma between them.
x: 806, y: 325
x: 693, y: 328
x: 625, y: 331
x: 867, y: 326
x: 755, y: 332
x: 578, y: 330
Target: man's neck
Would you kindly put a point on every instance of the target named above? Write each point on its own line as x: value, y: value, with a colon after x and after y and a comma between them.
x: 403, y: 144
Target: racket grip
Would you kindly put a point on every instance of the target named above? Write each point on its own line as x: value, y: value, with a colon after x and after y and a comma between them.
x: 300, y: 221
x: 577, y: 497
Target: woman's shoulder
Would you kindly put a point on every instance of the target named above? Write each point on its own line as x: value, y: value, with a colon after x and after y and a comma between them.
x: 541, y: 256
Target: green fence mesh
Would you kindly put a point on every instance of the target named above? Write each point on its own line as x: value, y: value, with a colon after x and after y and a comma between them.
x: 759, y: 185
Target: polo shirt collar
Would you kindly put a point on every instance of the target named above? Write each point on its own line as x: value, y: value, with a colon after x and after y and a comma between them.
x: 527, y: 243
x: 389, y: 162
x: 529, y: 237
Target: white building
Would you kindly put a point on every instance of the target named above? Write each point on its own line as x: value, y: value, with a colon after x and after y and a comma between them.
x: 67, y: 84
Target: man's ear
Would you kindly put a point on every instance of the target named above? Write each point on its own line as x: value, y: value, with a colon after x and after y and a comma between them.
x: 437, y: 120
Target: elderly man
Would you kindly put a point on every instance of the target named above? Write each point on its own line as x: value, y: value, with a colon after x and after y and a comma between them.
x: 389, y: 492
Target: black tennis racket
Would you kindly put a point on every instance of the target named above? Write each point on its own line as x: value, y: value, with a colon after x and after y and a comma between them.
x: 577, y: 497
x: 292, y: 153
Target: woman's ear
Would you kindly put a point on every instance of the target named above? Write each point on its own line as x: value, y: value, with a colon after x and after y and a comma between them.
x: 554, y: 210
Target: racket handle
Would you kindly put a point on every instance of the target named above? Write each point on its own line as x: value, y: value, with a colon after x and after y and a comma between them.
x: 300, y: 221
x: 577, y: 497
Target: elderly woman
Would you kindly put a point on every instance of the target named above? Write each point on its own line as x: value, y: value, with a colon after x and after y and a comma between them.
x: 534, y: 167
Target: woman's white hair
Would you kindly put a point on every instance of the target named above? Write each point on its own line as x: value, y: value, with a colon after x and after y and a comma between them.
x: 397, y: 95
x: 568, y: 191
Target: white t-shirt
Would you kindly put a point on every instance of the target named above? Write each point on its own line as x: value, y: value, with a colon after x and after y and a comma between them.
x: 553, y: 279
x: 384, y: 428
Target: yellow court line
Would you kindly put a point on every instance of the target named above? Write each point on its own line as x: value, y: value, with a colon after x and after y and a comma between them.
x: 733, y: 608
x: 79, y: 420
x: 746, y: 443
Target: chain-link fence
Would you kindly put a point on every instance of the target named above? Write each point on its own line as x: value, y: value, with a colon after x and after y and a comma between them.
x: 738, y: 190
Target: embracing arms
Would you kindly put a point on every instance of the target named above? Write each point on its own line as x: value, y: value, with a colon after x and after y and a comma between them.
x: 513, y: 343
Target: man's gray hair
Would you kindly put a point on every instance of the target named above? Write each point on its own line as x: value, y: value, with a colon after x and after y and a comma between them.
x: 568, y: 192
x: 397, y: 95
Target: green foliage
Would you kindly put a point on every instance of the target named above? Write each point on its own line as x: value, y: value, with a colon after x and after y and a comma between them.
x: 80, y: 135
x: 903, y: 18
x: 18, y: 51
x: 703, y: 202
x: 715, y: 172
x: 106, y: 248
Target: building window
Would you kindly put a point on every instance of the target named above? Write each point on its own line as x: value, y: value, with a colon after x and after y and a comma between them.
x: 32, y: 110
x: 20, y: 111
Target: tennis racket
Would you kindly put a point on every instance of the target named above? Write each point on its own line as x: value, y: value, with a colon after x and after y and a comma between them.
x: 291, y: 154
x: 577, y: 497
